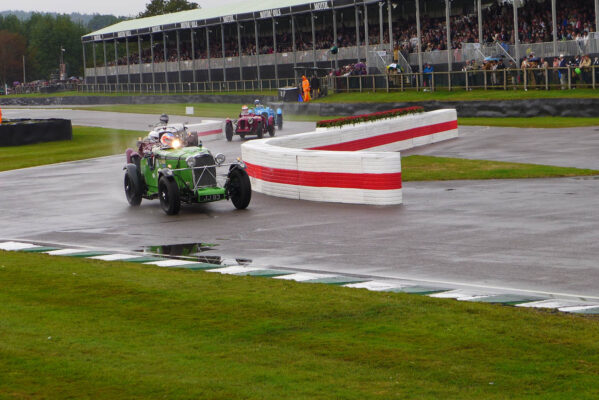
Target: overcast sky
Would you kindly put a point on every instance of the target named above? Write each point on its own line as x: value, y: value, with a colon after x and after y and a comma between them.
x: 115, y: 7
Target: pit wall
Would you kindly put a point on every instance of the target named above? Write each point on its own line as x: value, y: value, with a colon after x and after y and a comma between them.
x: 207, y: 130
x: 358, y: 164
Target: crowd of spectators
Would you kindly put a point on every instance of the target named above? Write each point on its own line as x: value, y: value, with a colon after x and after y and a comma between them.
x: 575, y: 21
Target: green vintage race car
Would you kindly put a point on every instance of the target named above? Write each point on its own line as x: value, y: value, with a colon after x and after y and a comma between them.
x: 176, y: 170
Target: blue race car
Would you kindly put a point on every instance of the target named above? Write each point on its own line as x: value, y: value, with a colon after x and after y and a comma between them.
x: 267, y: 112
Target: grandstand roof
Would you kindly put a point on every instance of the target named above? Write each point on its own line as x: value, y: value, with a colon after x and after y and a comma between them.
x: 243, y: 11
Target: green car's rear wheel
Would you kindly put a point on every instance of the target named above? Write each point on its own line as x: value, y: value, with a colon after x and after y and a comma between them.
x: 133, y: 190
x: 168, y: 192
x: 240, y: 188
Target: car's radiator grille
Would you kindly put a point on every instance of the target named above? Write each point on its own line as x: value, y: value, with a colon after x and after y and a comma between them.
x: 204, y: 176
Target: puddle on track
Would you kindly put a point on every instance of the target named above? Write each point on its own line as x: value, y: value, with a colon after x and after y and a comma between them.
x: 191, y: 251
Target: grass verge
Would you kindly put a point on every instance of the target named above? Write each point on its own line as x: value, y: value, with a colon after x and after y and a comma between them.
x: 207, y: 110
x: 87, y: 142
x: 74, y: 328
x: 532, y: 122
x: 120, y: 94
x: 428, y: 168
x: 457, y: 95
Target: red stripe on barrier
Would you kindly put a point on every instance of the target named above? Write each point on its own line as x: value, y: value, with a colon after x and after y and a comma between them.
x: 388, y: 138
x: 390, y: 181
x: 209, y: 132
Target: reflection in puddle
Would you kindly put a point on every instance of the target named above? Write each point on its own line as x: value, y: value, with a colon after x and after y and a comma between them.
x: 191, y: 251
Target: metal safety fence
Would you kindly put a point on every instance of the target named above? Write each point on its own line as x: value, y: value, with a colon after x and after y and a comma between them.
x: 504, y: 79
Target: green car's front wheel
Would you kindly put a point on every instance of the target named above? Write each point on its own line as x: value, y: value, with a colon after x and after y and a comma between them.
x: 133, y: 190
x: 168, y: 191
x: 239, y: 188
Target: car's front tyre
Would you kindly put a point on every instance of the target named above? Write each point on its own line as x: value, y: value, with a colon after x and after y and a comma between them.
x: 168, y: 191
x: 133, y: 185
x: 239, y: 188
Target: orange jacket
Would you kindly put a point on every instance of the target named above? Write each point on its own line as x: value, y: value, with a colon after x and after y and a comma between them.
x: 306, y: 84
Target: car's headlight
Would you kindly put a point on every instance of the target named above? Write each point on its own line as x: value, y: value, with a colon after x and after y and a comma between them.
x: 191, y: 161
x: 219, y: 158
x: 176, y: 143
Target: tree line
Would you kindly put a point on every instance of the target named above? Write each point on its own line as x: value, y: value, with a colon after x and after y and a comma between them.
x: 36, y: 40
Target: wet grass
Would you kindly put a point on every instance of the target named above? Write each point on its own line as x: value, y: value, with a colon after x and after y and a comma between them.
x: 120, y: 94
x: 428, y: 168
x: 457, y: 95
x: 74, y: 328
x: 87, y: 142
x: 206, y: 110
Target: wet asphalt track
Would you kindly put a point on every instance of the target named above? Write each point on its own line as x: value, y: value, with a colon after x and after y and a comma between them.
x: 538, y: 235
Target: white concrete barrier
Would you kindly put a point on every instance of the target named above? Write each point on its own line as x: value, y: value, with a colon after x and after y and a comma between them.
x: 207, y: 130
x: 351, y: 164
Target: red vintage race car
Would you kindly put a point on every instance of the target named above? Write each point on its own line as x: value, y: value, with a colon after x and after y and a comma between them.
x: 249, y: 124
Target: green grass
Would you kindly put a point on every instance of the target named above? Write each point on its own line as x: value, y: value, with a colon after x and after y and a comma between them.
x: 428, y: 168
x: 76, y: 93
x: 75, y: 328
x: 87, y: 142
x: 207, y: 110
x: 457, y: 95
x: 532, y: 122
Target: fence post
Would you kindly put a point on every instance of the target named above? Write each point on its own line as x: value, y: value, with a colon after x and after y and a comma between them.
x: 387, y: 82
x: 593, y: 72
x: 373, y: 85
x: 546, y: 79
x: 401, y: 80
x: 525, y: 75
x: 418, y: 82
x: 347, y: 84
x: 360, y: 81
x: 466, y: 75
x: 504, y: 79
x: 569, y: 78
x: 449, y: 80
x: 485, y: 78
x: 432, y: 82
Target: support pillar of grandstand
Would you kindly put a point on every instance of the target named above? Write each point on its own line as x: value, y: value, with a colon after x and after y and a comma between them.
x: 179, y: 57
x: 128, y: 63
x: 84, y: 65
x: 366, y: 41
x: 239, y: 50
x: 516, y: 39
x: 419, y: 42
x: 152, y: 61
x: 357, y: 33
x: 274, y: 50
x: 479, y: 11
x: 222, y: 43
x: 449, y: 52
x: 390, y: 23
x: 116, y: 60
x: 293, y: 47
x: 208, y: 53
x: 192, y: 35
x: 105, y: 62
x: 165, y: 61
x: 141, y: 76
x: 554, y: 23
x: 335, y: 38
x: 381, y: 23
x: 312, y: 18
x: 258, y: 50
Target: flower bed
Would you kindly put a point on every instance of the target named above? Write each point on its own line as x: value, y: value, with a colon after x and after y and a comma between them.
x: 329, y: 123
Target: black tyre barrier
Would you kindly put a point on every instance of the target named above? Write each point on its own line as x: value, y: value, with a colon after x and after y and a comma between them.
x: 17, y: 132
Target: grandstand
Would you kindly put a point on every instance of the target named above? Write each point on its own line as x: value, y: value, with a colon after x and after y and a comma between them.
x: 275, y: 38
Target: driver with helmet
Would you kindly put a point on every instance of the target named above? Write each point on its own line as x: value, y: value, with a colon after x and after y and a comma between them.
x: 257, y: 103
x: 244, y: 110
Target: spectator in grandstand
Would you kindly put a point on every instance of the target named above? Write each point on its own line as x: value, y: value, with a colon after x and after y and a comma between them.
x: 563, y: 73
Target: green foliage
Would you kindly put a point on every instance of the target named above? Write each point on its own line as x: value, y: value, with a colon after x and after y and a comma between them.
x: 12, y: 50
x: 329, y: 123
x: 45, y: 35
x: 159, y: 7
x: 86, y: 329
